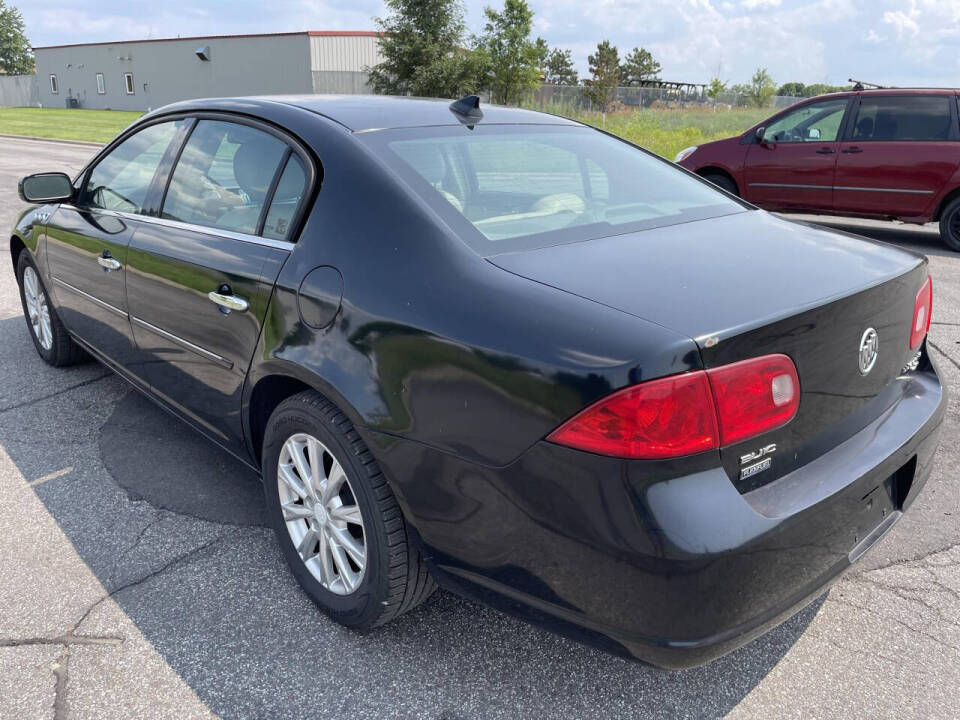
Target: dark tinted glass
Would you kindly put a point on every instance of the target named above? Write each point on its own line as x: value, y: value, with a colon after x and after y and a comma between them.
x: 121, y: 180
x: 223, y: 176
x: 905, y: 117
x: 285, y: 200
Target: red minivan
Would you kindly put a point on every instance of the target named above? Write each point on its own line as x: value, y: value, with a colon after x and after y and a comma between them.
x: 888, y: 154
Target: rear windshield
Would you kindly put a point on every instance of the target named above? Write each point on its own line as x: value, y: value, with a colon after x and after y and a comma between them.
x: 513, y: 187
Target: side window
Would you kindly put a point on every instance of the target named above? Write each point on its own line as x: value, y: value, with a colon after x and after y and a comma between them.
x: 121, y: 180
x: 223, y: 176
x: 904, y: 117
x: 101, y: 88
x: 285, y: 200
x: 816, y: 122
x: 54, y: 87
x: 128, y: 83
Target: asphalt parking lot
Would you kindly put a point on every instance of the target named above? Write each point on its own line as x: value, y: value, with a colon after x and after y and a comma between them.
x: 137, y: 578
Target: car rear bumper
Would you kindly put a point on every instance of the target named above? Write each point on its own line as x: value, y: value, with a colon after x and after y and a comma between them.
x: 672, y: 566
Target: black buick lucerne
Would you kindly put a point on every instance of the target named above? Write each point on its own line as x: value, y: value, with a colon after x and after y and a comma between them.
x: 499, y: 351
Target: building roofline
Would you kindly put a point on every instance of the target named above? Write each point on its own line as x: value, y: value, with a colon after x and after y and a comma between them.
x: 309, y: 33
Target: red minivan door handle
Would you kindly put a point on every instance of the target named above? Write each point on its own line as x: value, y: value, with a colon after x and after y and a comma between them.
x: 825, y: 151
x: 851, y: 150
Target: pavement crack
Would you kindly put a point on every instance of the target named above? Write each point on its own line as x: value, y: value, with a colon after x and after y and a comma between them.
x: 176, y: 562
x: 34, y: 401
x: 61, y: 672
x: 949, y: 359
x: 63, y: 640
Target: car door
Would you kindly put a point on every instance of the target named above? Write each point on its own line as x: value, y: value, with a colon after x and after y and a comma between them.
x: 793, y: 166
x: 898, y: 153
x: 200, y: 275
x: 87, y: 241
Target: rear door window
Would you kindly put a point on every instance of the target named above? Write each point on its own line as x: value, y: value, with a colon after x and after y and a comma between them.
x: 223, y: 176
x: 903, y: 118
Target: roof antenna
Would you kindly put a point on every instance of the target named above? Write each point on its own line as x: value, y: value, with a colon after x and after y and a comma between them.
x: 467, y: 109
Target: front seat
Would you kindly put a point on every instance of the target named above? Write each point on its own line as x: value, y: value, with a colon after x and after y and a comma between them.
x: 864, y: 129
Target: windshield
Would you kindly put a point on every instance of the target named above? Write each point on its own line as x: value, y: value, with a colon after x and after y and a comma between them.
x: 514, y: 187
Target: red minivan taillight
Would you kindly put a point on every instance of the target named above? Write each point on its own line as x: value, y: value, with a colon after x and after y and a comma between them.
x: 689, y: 413
x: 921, y: 314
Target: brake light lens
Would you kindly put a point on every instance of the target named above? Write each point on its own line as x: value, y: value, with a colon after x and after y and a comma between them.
x: 921, y: 314
x: 690, y: 413
x: 663, y: 418
x: 754, y: 396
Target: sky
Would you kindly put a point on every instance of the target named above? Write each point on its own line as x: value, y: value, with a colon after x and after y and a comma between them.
x: 891, y: 42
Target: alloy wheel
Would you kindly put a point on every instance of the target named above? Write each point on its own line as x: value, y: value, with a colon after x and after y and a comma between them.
x: 38, y: 311
x: 321, y: 514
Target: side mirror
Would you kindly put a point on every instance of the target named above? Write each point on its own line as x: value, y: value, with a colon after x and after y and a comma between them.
x: 813, y: 133
x: 759, y: 133
x: 45, y: 188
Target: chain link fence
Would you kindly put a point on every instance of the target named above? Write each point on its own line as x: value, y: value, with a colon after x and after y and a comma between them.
x: 571, y: 98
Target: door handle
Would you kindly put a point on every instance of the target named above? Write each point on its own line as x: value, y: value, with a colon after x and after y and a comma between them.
x: 826, y: 151
x: 227, y: 301
x: 851, y: 151
x: 108, y: 263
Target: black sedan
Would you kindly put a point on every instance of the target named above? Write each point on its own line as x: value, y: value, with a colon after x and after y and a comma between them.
x: 499, y: 351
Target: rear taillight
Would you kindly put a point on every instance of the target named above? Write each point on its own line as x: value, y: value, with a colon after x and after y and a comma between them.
x: 754, y: 396
x: 921, y: 314
x: 689, y: 413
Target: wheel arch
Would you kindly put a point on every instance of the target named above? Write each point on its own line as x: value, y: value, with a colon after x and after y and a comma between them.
x: 17, y: 246
x: 271, y: 384
x: 717, y: 170
x: 946, y: 200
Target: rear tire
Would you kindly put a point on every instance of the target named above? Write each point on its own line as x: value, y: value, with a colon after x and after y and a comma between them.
x: 374, y: 570
x: 724, y: 182
x: 50, y: 337
x: 950, y: 225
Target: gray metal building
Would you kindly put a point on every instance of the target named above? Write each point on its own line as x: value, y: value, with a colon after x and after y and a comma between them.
x: 145, y: 74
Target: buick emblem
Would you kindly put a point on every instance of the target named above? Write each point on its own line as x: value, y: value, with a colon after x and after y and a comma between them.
x: 868, y: 350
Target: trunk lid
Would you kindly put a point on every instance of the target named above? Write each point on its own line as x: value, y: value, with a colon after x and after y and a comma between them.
x: 752, y: 284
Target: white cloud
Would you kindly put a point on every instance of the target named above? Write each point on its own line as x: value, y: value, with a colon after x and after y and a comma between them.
x: 753, y: 4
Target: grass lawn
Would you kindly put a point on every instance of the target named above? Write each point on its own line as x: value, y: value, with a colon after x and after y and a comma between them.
x: 662, y: 130
x: 667, y: 131
x: 94, y: 125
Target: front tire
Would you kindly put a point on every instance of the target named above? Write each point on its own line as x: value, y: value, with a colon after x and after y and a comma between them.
x: 50, y: 337
x: 950, y: 225
x: 338, y: 523
x: 722, y: 181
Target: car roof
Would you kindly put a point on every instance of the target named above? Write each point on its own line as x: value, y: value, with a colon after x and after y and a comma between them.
x: 365, y: 113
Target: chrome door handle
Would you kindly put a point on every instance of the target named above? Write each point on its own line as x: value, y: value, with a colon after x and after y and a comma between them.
x: 228, y: 302
x: 108, y: 263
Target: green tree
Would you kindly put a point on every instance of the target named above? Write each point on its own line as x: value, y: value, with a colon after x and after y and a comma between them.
x: 791, y: 89
x: 424, y: 53
x: 543, y: 54
x: 604, y: 67
x: 638, y: 66
x: 716, y: 88
x: 761, y: 88
x: 823, y: 89
x: 16, y: 57
x: 513, y: 59
x: 560, y: 69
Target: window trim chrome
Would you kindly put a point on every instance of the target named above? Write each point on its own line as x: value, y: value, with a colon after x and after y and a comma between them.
x: 185, y: 344
x: 190, y: 227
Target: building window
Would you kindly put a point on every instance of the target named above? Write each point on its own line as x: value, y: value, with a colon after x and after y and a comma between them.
x: 128, y: 82
x: 101, y: 88
x: 54, y: 88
